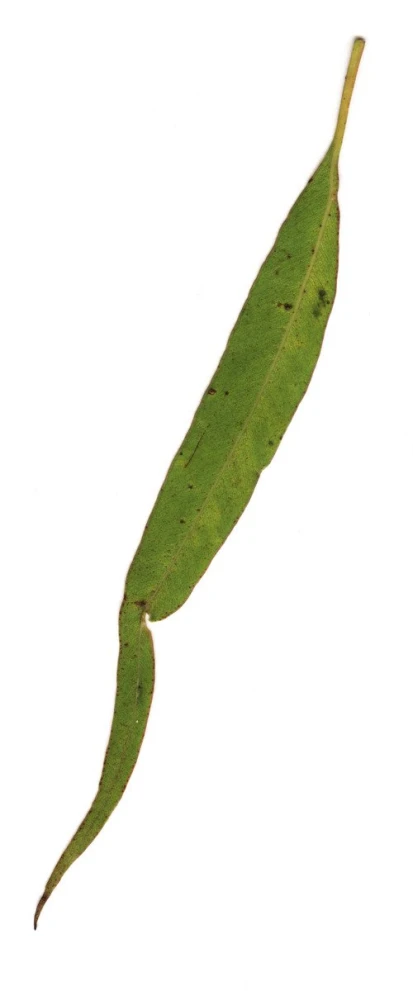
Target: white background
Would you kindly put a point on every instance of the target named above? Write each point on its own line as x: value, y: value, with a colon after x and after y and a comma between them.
x: 149, y: 153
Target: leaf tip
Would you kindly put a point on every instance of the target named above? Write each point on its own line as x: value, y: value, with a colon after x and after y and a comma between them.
x: 40, y: 905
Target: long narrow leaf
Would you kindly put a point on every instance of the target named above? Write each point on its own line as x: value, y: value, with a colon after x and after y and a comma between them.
x: 261, y: 378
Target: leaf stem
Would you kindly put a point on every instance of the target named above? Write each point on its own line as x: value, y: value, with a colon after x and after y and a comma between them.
x: 354, y: 62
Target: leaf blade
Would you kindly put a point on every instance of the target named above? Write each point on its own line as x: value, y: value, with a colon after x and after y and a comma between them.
x: 215, y: 471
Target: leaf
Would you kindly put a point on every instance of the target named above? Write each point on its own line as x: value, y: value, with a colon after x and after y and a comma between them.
x: 261, y: 378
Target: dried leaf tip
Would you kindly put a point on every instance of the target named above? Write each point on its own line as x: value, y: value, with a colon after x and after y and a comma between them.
x: 40, y: 905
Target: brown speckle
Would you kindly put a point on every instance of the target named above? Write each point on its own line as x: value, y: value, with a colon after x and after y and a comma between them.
x: 212, y: 392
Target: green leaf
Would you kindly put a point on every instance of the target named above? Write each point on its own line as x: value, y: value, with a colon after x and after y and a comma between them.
x: 261, y: 378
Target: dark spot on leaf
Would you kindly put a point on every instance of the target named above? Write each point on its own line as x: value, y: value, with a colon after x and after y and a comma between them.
x: 288, y: 256
x: 140, y: 603
x: 212, y: 392
x: 182, y: 521
x: 310, y: 180
x: 271, y: 443
x: 190, y: 486
x: 323, y: 301
x: 226, y: 393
